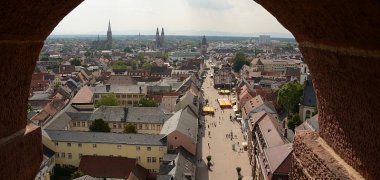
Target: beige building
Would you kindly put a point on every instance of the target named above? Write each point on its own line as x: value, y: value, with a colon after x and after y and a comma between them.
x: 147, y: 120
x: 182, y: 130
x: 274, y: 65
x: 126, y: 95
x: 69, y: 146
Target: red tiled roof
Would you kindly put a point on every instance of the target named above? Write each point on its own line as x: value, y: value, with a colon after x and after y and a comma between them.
x: 83, y: 96
x: 110, y: 167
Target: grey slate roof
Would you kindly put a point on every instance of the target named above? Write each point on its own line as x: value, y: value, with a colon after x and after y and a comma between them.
x: 107, y: 138
x: 110, y: 113
x: 147, y: 115
x: 308, y: 96
x: 184, y: 121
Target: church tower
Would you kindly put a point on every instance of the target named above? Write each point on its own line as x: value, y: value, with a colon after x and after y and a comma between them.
x: 162, y: 38
x: 204, y: 45
x: 158, y: 39
x: 109, y: 35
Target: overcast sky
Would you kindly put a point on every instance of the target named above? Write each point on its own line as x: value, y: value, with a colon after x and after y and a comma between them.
x: 176, y: 16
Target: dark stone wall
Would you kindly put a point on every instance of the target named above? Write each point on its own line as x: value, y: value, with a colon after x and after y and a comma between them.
x: 24, y: 25
x: 340, y: 41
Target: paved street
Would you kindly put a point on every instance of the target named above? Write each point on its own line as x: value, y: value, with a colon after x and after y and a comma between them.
x: 224, y: 158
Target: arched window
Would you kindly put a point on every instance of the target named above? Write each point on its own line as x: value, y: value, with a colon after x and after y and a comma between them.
x: 308, y: 114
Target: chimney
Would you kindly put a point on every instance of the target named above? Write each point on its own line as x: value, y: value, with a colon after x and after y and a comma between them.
x: 108, y: 87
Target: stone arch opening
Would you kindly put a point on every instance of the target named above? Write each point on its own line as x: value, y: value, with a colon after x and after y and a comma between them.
x: 340, y: 41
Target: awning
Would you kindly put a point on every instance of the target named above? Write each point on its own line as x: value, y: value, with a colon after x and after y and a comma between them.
x: 208, y: 109
x: 224, y: 103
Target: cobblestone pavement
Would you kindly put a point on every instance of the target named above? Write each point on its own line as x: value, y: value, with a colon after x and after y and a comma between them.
x: 215, y: 142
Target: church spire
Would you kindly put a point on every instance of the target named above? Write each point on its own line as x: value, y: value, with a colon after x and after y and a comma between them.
x: 109, y: 26
x: 109, y: 35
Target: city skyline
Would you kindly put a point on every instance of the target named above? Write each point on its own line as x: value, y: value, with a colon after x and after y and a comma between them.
x: 214, y: 18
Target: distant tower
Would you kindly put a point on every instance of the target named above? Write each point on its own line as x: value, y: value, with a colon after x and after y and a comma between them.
x: 157, y: 39
x: 109, y: 35
x: 204, y: 45
x: 162, y: 41
x: 98, y: 43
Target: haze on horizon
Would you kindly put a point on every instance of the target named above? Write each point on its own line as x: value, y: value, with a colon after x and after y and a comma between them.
x: 178, y: 17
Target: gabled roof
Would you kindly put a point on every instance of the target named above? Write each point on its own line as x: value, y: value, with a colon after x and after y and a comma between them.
x: 183, y: 121
x: 269, y: 131
x: 84, y: 96
x: 277, y: 155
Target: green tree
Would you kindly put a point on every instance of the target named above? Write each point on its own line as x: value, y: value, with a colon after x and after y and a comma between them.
x: 75, y: 62
x: 128, y: 50
x: 99, y: 125
x: 294, y: 120
x: 119, y: 65
x: 289, y: 96
x: 147, y: 66
x: 44, y: 58
x: 239, y: 61
x: 87, y: 54
x: 77, y: 174
x: 130, y: 128
x: 144, y: 102
x: 140, y: 57
x: 107, y: 100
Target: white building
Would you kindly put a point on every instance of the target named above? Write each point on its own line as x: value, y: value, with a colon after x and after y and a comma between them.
x: 264, y: 39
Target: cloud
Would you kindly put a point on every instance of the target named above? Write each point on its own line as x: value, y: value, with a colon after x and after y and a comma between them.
x: 210, y: 4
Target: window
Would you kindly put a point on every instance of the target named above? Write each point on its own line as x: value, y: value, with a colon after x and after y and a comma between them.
x: 160, y: 148
x: 158, y: 127
x: 171, y: 147
x: 119, y: 125
x: 129, y: 102
x: 138, y: 158
x: 146, y: 126
x: 123, y: 96
x: 160, y: 159
x: 152, y: 126
x: 83, y: 124
x: 80, y: 145
x: 149, y: 159
x: 137, y: 148
x: 119, y: 146
x: 56, y: 143
x: 140, y: 126
x: 68, y: 144
x: 129, y: 96
x: 148, y: 148
x: 74, y: 124
x: 114, y: 125
x: 57, y: 155
x: 94, y: 145
x: 96, y: 95
x: 78, y: 124
x: 175, y: 138
x: 63, y: 155
x: 80, y: 155
x: 117, y: 95
x: 69, y: 155
x: 154, y: 160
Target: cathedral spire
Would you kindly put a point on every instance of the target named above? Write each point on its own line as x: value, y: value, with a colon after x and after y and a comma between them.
x: 109, y: 26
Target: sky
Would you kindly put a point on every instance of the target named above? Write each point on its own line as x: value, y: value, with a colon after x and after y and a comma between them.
x: 178, y: 17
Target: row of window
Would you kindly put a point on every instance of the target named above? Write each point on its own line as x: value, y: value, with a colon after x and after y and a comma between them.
x: 118, y: 146
x: 138, y: 158
x: 81, y: 124
x: 129, y: 96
